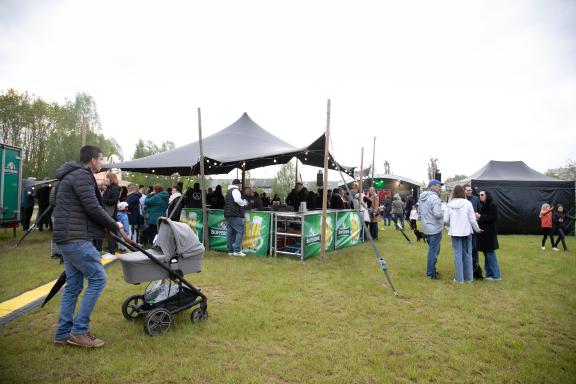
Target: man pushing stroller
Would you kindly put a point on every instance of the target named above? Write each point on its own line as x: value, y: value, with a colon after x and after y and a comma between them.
x: 79, y: 219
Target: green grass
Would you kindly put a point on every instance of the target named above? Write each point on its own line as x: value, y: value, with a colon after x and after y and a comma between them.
x: 281, y: 321
x: 27, y: 266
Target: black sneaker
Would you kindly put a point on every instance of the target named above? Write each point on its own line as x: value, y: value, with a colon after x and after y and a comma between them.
x: 435, y: 277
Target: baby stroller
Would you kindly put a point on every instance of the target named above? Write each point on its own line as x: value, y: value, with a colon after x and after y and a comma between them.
x: 176, y: 252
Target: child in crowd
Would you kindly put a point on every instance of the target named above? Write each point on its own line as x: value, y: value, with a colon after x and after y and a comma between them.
x: 546, y: 224
x: 122, y: 216
x: 414, y: 217
x: 559, y: 219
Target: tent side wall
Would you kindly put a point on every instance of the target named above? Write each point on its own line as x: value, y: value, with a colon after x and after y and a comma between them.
x: 519, y: 202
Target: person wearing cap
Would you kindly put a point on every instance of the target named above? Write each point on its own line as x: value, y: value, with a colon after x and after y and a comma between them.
x: 430, y: 212
x: 234, y: 216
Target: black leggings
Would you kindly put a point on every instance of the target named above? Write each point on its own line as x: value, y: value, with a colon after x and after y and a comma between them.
x: 560, y: 237
x: 547, y: 232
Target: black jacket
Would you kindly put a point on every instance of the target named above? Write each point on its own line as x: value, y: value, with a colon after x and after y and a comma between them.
x: 133, y: 200
x: 79, y: 214
x: 110, y: 197
x: 488, y: 240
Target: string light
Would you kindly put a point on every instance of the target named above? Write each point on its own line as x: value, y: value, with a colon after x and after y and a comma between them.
x: 274, y: 159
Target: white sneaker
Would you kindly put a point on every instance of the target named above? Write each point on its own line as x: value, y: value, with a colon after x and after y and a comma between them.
x: 555, y: 249
x: 543, y: 248
x: 230, y: 253
x: 108, y: 256
x: 239, y: 254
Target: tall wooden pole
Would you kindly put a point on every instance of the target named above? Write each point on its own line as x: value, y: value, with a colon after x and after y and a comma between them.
x: 202, y: 189
x: 84, y: 129
x: 296, y: 173
x: 373, y: 166
x: 325, y: 183
x: 361, y: 174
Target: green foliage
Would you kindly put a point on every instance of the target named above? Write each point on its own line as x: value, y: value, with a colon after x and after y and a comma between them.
x: 148, y: 148
x: 50, y: 134
x: 568, y: 172
x: 455, y: 178
x: 284, y: 180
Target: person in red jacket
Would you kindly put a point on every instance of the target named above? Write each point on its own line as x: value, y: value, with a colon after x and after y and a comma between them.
x: 546, y: 224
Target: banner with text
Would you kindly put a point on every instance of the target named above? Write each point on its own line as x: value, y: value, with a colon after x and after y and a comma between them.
x: 348, y: 229
x: 256, y: 238
x: 312, y: 227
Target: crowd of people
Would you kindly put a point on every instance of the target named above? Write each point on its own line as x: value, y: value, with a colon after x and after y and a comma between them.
x: 471, y: 220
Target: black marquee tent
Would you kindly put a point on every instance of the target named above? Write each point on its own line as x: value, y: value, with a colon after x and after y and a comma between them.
x: 519, y: 192
x: 243, y: 145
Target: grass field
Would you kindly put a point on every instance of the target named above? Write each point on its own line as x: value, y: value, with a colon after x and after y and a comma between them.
x: 281, y: 321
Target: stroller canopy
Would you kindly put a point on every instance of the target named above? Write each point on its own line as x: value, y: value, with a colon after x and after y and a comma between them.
x: 176, y: 238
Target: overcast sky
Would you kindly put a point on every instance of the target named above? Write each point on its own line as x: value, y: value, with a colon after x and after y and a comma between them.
x: 462, y: 81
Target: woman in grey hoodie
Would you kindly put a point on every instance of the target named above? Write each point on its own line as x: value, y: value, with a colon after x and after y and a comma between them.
x: 460, y: 217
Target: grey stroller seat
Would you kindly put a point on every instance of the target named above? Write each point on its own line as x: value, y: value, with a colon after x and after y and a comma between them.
x: 176, y: 246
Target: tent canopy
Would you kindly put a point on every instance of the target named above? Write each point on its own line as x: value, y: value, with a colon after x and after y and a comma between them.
x: 510, y: 171
x: 519, y: 191
x: 243, y: 144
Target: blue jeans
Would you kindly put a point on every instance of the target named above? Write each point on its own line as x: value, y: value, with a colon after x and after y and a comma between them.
x: 491, y: 265
x: 433, y: 252
x: 399, y: 218
x: 234, y: 233
x: 374, y: 230
x: 81, y: 261
x: 462, y: 246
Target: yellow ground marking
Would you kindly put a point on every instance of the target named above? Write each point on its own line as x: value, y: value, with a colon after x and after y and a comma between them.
x: 9, y: 306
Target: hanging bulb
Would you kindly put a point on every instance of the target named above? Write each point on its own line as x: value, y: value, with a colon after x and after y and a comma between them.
x: 274, y: 160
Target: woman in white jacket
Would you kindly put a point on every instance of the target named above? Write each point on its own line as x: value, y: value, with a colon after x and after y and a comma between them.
x: 460, y: 218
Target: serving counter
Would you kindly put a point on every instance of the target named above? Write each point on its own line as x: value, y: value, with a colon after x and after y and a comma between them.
x: 290, y: 233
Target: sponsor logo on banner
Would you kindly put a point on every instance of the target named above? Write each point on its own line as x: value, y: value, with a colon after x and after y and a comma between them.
x: 11, y: 168
x: 312, y: 239
x: 344, y: 231
x: 220, y: 231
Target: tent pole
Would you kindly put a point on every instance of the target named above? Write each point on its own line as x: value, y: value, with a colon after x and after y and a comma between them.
x: 325, y: 182
x: 361, y: 188
x: 202, y: 189
x: 296, y: 173
x: 243, y: 177
x: 373, y: 156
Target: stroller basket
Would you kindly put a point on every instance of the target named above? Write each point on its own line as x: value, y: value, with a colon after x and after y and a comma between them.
x: 176, y: 246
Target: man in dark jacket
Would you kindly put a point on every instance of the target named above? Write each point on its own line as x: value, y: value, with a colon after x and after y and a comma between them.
x: 254, y: 201
x: 79, y: 218
x: 475, y: 201
x: 194, y: 197
x: 234, y: 216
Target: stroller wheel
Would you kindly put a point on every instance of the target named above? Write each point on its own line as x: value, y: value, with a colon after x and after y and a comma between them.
x: 198, y: 314
x: 157, y: 321
x: 131, y: 306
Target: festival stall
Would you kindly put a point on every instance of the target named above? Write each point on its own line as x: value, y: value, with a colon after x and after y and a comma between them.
x: 268, y: 233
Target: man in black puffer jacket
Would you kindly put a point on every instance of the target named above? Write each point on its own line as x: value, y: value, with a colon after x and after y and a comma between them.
x: 79, y: 218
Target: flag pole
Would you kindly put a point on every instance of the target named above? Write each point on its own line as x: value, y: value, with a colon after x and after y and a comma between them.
x: 202, y: 189
x: 325, y: 182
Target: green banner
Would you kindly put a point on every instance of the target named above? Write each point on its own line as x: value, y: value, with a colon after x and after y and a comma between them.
x: 217, y: 230
x: 256, y: 233
x: 311, y: 233
x: 348, y: 229
x: 193, y: 217
x: 256, y: 238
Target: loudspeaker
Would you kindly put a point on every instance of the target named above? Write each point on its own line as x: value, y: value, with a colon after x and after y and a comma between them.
x: 319, y: 179
x: 438, y: 175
